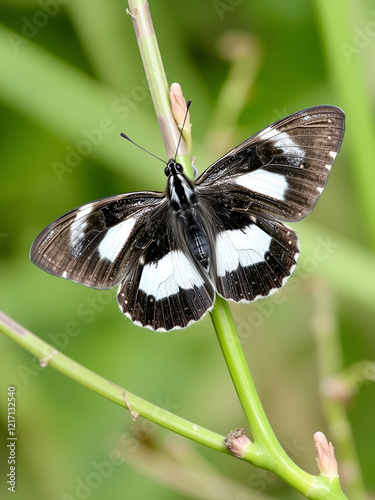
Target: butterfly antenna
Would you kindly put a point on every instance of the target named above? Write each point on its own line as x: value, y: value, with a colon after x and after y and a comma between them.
x: 140, y: 147
x: 183, y: 125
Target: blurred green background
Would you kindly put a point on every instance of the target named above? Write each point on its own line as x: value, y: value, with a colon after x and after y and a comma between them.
x: 71, y: 80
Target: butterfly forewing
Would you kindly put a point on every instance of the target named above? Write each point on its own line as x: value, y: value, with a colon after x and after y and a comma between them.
x: 280, y: 172
x: 93, y: 244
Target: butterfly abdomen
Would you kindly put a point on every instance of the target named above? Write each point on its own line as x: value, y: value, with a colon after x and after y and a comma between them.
x: 196, y: 236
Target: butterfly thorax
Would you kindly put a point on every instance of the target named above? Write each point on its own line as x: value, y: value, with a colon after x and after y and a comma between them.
x: 180, y: 190
x: 184, y: 202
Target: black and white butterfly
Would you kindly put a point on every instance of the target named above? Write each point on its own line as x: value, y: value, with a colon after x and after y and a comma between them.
x: 221, y: 233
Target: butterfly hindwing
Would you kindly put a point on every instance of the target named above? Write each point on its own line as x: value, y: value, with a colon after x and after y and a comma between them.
x: 252, y: 257
x: 254, y: 261
x: 280, y: 172
x: 166, y: 288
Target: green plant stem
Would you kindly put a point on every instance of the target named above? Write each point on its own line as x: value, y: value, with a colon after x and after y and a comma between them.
x: 266, y: 451
x: 48, y: 355
x: 157, y: 80
x: 235, y: 359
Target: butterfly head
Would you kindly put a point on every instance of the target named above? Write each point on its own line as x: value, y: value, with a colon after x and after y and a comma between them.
x: 173, y: 168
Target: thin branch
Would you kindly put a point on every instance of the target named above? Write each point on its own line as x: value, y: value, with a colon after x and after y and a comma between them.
x: 49, y: 356
x: 149, y: 49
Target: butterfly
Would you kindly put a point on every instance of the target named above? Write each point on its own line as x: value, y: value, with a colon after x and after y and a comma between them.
x: 223, y: 232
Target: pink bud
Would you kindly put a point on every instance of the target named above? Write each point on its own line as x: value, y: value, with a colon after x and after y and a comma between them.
x: 236, y: 442
x: 327, y: 462
x: 178, y: 104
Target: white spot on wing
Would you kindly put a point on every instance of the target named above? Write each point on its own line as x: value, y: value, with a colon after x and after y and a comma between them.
x: 282, y: 140
x: 333, y: 154
x: 241, y: 247
x: 287, y: 145
x: 268, y: 132
x: 263, y: 182
x: 115, y: 239
x: 78, y: 227
x: 166, y: 276
x: 85, y: 210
